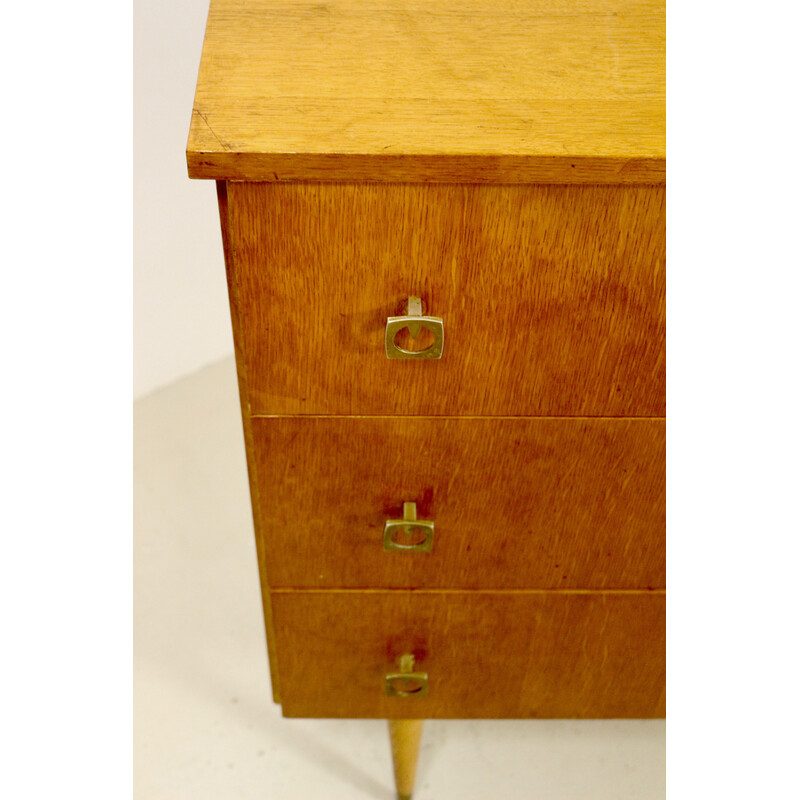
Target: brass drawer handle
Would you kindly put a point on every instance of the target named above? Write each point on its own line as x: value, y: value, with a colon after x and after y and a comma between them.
x: 414, y: 320
x: 406, y: 682
x: 395, y: 531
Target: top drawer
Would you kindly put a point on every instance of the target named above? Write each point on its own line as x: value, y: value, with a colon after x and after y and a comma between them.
x: 552, y: 297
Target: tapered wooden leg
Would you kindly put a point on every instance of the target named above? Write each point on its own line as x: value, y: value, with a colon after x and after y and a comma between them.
x: 405, y: 736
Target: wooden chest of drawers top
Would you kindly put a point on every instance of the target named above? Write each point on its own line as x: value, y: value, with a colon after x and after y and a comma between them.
x: 542, y: 91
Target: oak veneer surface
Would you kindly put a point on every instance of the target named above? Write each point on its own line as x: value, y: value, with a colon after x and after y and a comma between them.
x: 412, y: 90
x: 516, y: 503
x: 241, y: 373
x: 552, y: 297
x: 505, y: 162
x: 490, y: 655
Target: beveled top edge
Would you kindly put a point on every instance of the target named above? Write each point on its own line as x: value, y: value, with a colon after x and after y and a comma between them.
x: 513, y: 91
x: 333, y: 168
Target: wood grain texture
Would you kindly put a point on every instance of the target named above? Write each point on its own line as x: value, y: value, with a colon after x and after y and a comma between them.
x: 404, y: 738
x: 516, y: 503
x: 552, y: 297
x: 241, y: 372
x: 447, y: 91
x: 487, y: 655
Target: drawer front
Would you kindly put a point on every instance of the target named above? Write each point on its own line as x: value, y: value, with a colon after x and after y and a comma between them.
x: 489, y: 655
x: 552, y: 297
x: 516, y: 503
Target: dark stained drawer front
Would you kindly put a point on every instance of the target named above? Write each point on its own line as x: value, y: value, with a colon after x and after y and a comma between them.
x: 490, y: 655
x: 552, y: 297
x: 516, y: 503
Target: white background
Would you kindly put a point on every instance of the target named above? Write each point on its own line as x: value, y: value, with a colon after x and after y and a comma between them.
x: 180, y: 299
x: 66, y: 417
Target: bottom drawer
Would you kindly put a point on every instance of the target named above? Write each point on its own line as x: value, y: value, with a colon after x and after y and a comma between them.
x: 486, y: 654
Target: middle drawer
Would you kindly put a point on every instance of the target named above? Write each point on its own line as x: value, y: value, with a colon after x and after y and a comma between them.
x: 530, y: 503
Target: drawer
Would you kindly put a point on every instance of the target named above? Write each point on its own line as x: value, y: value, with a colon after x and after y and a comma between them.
x: 516, y: 503
x: 552, y: 297
x: 512, y: 654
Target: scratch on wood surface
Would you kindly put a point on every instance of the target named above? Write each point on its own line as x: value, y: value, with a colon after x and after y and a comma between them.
x: 202, y: 116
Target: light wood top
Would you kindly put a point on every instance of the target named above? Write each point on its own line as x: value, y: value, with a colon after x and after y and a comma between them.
x: 508, y: 91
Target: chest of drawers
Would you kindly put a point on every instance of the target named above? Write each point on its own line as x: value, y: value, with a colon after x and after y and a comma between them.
x: 444, y: 232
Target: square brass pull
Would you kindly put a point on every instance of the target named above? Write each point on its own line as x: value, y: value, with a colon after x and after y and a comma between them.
x: 414, y: 320
x: 405, y: 682
x: 397, y: 532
